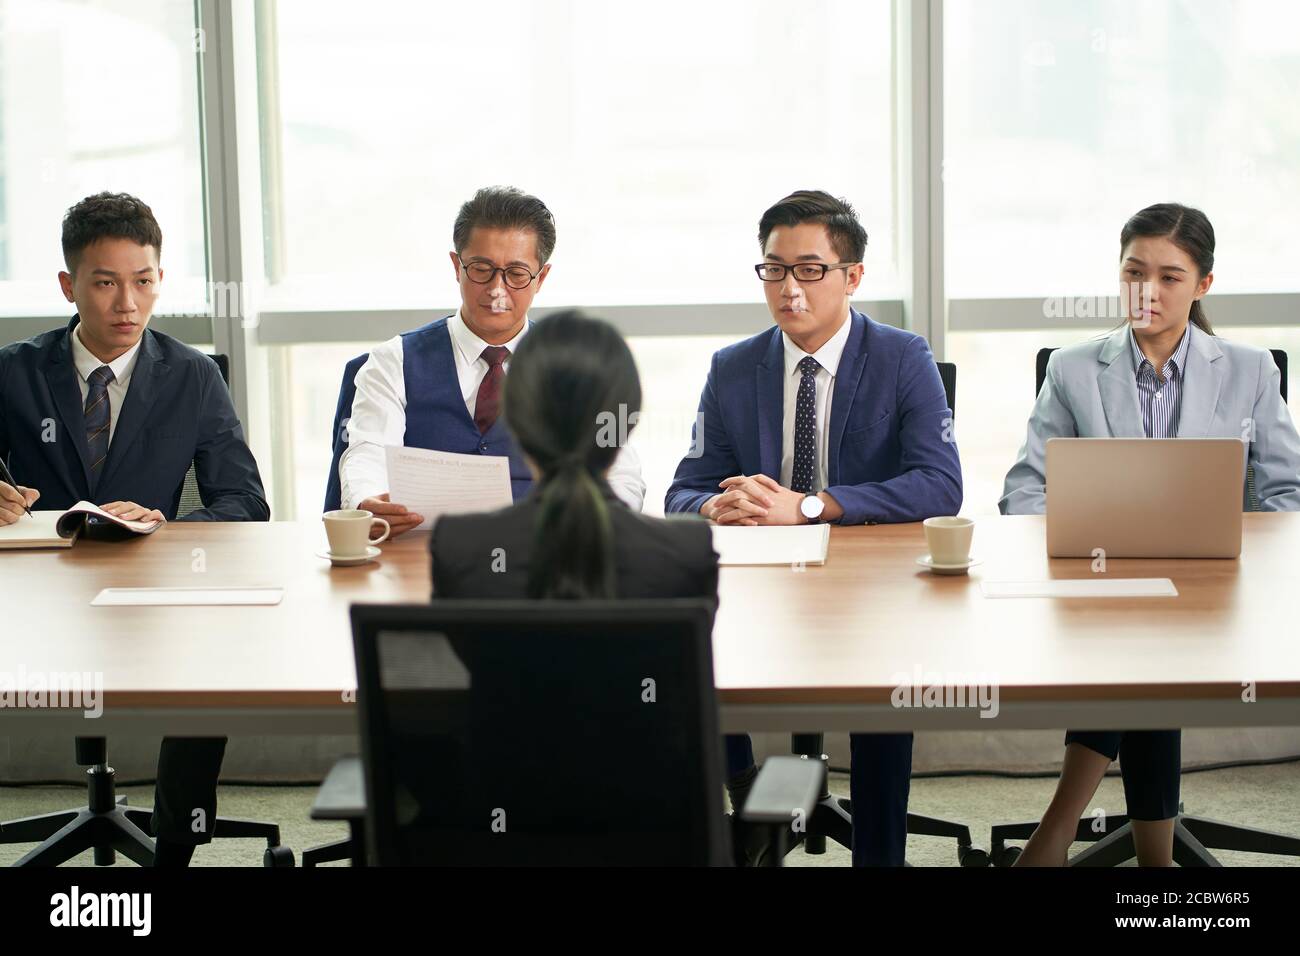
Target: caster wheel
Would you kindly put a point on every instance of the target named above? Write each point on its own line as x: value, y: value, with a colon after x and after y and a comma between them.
x: 972, y: 856
x: 277, y: 856
x: 1007, y: 856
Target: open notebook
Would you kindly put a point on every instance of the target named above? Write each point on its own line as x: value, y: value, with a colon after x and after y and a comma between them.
x: 58, y: 529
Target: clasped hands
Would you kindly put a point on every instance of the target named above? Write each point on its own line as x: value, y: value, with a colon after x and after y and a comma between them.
x: 760, y: 500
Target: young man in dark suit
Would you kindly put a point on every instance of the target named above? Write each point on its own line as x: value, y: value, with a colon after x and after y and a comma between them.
x: 825, y: 417
x: 108, y: 411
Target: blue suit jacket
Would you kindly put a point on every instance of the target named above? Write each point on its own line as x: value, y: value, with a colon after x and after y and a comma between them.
x: 892, y: 456
x: 177, y: 410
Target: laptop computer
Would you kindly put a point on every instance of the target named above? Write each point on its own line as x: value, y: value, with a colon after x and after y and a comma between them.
x: 1145, y: 497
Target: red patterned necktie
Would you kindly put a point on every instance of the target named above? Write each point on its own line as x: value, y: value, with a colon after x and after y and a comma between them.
x: 489, y: 392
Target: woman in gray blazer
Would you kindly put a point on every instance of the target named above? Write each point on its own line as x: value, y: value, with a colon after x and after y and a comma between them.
x: 1163, y: 374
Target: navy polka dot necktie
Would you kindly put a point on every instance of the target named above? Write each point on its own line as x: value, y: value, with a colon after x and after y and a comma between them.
x: 805, y: 427
x: 98, y: 418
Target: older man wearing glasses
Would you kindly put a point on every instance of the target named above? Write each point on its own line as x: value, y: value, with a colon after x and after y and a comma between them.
x: 439, y: 386
x: 825, y: 417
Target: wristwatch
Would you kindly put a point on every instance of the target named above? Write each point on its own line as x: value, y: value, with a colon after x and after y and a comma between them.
x: 812, y: 507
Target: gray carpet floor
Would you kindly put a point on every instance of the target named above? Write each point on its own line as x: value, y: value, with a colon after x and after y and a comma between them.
x: 1265, y: 797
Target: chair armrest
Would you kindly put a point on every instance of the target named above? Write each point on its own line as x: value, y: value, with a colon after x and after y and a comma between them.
x: 343, y: 794
x: 784, y: 785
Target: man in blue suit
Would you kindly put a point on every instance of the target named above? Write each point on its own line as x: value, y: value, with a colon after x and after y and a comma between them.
x: 830, y: 417
x: 439, y: 386
x: 108, y: 411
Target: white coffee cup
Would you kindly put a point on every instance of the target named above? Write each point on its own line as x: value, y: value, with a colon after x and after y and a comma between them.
x: 349, y: 532
x: 949, y: 539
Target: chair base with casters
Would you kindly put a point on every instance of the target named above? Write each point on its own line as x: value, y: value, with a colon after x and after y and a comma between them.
x: 1112, y: 841
x: 833, y: 816
x: 342, y: 797
x: 108, y: 826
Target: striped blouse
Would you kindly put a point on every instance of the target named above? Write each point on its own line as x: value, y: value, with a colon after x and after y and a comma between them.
x: 1160, y: 398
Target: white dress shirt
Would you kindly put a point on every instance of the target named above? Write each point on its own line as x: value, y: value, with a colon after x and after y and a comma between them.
x: 828, y: 357
x: 379, y: 416
x: 122, y: 367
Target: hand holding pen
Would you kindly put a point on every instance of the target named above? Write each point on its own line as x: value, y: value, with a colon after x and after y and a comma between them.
x: 14, y: 496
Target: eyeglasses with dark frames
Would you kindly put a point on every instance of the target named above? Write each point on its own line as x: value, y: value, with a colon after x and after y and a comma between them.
x: 803, y: 271
x: 516, y: 276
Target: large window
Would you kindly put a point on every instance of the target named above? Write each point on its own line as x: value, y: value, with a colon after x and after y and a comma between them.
x: 1064, y: 119
x: 97, y: 96
x: 1061, y: 120
x: 657, y: 135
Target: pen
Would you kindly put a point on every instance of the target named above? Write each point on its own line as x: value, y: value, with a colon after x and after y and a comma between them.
x: 8, y: 479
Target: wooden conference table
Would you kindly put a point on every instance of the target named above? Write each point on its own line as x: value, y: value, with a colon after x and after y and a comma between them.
x: 819, y: 649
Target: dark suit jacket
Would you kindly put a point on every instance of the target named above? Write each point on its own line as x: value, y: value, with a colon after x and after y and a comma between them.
x: 653, y: 557
x: 177, y: 410
x: 891, y: 456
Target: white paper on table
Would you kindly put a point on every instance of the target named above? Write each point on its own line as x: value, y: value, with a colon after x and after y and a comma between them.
x: 1082, y: 588
x: 794, y: 544
x: 433, y: 483
x: 186, y: 597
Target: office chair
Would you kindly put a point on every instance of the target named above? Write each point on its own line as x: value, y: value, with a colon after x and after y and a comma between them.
x: 551, y: 732
x: 1040, y: 368
x: 341, y: 797
x: 191, y: 500
x: 107, y: 824
x: 1194, y: 837
x: 339, y: 439
x: 833, y: 816
x: 948, y: 375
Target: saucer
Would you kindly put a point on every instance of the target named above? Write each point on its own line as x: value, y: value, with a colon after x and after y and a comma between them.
x: 371, y: 553
x: 933, y: 568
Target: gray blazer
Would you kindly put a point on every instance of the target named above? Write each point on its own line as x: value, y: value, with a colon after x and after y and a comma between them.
x: 1091, y: 392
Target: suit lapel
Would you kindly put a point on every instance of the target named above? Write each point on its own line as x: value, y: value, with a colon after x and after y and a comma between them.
x: 149, y: 371
x: 848, y: 376
x: 1117, y: 384
x: 61, y: 376
x: 769, y: 379
x: 1202, y: 381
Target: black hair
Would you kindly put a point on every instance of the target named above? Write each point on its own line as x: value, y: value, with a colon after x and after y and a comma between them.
x: 848, y: 238
x: 505, y: 207
x: 569, y: 400
x: 108, y: 216
x: 1187, y: 228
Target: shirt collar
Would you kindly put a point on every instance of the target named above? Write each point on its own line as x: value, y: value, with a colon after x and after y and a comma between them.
x: 86, y: 362
x: 1178, y: 359
x: 470, y: 346
x: 828, y: 356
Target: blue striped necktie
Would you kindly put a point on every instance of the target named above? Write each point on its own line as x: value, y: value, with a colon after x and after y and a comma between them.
x: 98, y: 419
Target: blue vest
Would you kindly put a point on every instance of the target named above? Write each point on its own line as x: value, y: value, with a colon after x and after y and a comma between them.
x: 436, y: 417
